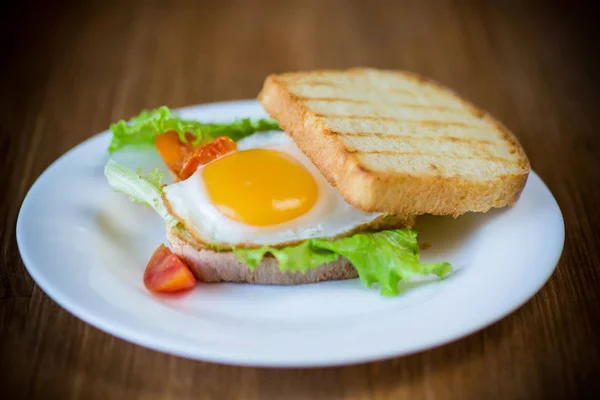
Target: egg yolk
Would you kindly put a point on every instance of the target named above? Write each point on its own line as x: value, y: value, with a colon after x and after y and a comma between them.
x: 260, y: 186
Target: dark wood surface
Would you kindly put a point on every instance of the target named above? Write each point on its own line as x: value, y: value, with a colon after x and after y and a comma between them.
x: 70, y: 68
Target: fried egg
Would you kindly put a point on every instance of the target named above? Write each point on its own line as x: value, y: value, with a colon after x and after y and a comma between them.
x: 266, y: 193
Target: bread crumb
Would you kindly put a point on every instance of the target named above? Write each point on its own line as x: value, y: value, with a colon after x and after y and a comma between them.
x: 425, y: 246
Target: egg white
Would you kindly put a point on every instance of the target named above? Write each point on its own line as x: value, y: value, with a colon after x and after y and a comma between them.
x: 330, y: 216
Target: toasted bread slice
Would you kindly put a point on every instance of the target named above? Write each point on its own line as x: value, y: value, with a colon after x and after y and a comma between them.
x: 209, y: 265
x: 395, y: 142
x: 223, y: 266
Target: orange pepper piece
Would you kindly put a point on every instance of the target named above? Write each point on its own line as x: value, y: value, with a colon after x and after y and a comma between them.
x: 172, y: 150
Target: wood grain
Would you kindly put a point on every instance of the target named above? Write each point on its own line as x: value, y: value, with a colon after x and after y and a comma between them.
x: 71, y: 68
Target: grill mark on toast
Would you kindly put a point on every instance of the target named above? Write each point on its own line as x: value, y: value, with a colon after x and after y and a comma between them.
x: 420, y: 153
x: 312, y: 83
x: 360, y: 101
x: 371, y: 88
x: 387, y: 136
x: 411, y: 121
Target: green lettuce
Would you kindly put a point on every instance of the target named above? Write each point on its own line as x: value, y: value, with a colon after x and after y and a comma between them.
x: 141, y: 130
x: 145, y: 189
x: 301, y: 258
x: 387, y: 257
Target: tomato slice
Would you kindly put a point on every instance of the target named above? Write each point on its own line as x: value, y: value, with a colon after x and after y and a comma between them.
x: 172, y: 150
x: 166, y: 273
x: 205, y: 154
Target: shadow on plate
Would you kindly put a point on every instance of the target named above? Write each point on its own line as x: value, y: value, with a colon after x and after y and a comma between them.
x: 444, y: 238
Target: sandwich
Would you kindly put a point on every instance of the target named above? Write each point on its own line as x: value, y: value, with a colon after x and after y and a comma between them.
x: 330, y: 186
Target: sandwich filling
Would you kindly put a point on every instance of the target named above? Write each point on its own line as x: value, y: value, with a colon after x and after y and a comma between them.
x: 246, y: 187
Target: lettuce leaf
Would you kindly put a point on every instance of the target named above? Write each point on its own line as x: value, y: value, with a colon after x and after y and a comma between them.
x: 145, y: 189
x: 387, y: 257
x: 141, y: 130
x: 293, y: 258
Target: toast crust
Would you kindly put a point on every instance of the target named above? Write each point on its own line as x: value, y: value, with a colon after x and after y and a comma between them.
x: 223, y: 266
x: 398, y: 192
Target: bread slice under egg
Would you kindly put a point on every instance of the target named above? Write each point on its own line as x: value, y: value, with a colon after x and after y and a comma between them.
x: 223, y: 266
x: 396, y: 142
x: 209, y: 265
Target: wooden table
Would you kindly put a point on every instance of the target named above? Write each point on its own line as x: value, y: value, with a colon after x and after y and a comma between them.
x: 69, y: 69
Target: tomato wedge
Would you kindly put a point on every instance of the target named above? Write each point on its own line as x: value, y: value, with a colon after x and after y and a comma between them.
x: 205, y: 154
x: 166, y: 273
x: 172, y: 150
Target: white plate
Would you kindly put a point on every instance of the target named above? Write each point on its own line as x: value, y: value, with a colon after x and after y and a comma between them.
x: 87, y: 247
